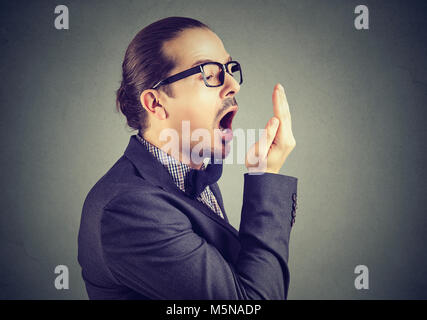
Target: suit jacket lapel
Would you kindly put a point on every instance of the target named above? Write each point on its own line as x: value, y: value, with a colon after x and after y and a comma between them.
x: 217, y: 193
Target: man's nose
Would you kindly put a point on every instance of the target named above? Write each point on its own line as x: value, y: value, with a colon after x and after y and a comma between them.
x: 231, y: 86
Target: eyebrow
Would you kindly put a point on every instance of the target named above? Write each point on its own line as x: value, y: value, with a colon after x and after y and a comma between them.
x: 207, y: 60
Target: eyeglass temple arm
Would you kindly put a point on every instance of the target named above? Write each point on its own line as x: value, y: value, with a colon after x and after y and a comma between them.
x: 179, y: 76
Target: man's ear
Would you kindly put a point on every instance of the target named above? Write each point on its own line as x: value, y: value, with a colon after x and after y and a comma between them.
x: 150, y: 100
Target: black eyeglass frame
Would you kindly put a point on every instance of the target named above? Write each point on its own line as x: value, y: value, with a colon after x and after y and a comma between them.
x: 199, y: 69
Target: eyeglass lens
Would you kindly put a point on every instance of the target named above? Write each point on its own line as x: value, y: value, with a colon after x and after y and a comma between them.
x: 214, y: 74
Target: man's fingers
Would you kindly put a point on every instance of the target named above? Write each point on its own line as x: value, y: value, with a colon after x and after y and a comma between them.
x: 280, y: 102
x: 278, y: 131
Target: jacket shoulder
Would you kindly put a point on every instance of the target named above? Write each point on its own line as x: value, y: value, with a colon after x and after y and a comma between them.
x: 120, y: 178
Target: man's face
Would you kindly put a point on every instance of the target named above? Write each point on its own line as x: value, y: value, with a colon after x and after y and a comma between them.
x: 200, y: 106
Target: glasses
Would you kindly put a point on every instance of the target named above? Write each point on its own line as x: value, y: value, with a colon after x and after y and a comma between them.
x: 213, y: 74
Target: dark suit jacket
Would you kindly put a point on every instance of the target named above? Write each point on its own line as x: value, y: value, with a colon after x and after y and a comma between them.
x: 141, y: 237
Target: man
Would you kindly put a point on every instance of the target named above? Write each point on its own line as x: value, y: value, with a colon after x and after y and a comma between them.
x: 154, y: 226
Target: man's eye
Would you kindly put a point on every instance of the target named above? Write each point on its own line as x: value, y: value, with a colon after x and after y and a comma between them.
x: 209, y: 77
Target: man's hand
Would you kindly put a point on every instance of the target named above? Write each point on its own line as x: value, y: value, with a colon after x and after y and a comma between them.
x: 277, y: 141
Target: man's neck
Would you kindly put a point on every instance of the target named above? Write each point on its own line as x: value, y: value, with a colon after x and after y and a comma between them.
x: 173, y: 149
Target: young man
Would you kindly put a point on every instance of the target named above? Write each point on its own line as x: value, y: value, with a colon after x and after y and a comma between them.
x: 154, y: 226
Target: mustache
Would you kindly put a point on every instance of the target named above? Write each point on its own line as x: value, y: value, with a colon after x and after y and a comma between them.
x: 228, y: 102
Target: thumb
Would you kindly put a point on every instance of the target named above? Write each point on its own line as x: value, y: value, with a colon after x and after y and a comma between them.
x: 271, y: 128
x: 268, y: 136
x: 259, y: 150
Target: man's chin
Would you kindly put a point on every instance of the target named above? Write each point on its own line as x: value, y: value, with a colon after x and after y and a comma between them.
x: 222, y: 153
x: 218, y: 154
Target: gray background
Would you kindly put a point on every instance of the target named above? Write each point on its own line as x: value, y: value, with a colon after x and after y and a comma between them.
x: 357, y: 100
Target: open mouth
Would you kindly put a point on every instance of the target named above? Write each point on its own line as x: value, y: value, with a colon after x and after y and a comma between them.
x: 227, y: 119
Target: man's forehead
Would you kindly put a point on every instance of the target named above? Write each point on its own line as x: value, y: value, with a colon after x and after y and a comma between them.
x: 195, y: 46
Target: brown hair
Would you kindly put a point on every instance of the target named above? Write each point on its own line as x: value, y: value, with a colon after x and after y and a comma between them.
x: 145, y: 64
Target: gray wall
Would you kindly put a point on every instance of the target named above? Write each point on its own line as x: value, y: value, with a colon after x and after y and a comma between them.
x: 357, y: 100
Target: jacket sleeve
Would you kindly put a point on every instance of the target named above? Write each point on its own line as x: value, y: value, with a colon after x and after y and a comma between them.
x: 150, y: 247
